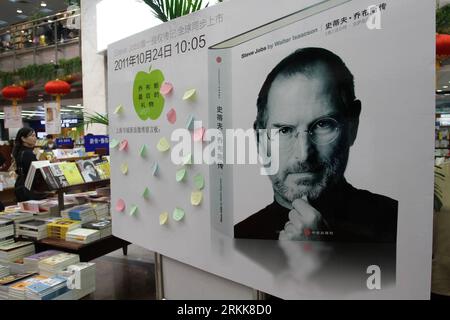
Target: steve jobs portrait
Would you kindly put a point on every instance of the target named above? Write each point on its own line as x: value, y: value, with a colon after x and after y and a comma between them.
x: 308, y: 103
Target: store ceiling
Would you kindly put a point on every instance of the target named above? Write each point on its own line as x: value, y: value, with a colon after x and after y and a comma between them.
x: 9, y: 14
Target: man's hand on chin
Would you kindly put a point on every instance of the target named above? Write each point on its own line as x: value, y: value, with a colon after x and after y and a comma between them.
x: 303, y: 219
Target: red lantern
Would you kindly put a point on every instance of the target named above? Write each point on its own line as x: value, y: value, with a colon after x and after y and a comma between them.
x: 442, y: 45
x: 57, y: 88
x: 14, y: 93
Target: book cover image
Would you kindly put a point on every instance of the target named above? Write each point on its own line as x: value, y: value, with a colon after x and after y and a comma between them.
x: 70, y: 171
x: 59, y: 175
x: 287, y: 97
x: 103, y: 168
x: 88, y: 170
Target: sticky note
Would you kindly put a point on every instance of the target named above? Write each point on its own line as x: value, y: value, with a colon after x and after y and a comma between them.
x: 190, y: 122
x: 124, y: 168
x: 123, y: 145
x: 143, y: 150
x: 163, y: 217
x: 196, y: 197
x: 198, y: 134
x: 146, y: 193
x: 189, y: 94
x: 133, y: 210
x: 199, y: 182
x: 119, y: 109
x: 187, y: 159
x: 120, y: 205
x: 155, y: 168
x: 180, y: 175
x: 113, y: 143
x: 166, y: 88
x: 163, y: 145
x: 171, y: 116
x: 177, y: 214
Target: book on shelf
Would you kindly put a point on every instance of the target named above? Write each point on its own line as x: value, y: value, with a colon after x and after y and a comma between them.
x: 4, y: 271
x: 103, y: 168
x: 103, y: 226
x: 6, y: 231
x: 83, y: 213
x: 33, y: 260
x: 17, y: 291
x: 34, y: 167
x: 15, y: 252
x: 32, y: 229
x: 47, y: 289
x: 70, y: 171
x: 82, y: 235
x: 58, y: 175
x: 58, y: 262
x: 60, y: 227
x: 88, y: 170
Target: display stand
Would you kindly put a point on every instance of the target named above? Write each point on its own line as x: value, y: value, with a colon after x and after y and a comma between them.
x: 86, y: 252
x: 75, y: 187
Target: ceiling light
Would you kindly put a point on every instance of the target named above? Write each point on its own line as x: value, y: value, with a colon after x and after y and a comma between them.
x: 445, y: 87
x: 438, y: 90
x: 19, y: 11
x: 43, y: 4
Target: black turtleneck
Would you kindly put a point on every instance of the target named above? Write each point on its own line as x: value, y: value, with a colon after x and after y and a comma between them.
x: 351, y: 215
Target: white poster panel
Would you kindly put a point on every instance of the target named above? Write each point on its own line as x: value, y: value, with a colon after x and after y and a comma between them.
x: 52, y: 119
x: 13, y: 117
x: 347, y: 211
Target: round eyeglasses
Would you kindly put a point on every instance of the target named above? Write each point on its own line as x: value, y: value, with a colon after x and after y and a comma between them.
x: 321, y: 132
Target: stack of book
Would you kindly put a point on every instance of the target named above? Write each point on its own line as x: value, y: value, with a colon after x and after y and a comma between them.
x: 17, y: 291
x: 34, y: 207
x: 83, y: 213
x: 6, y: 232
x: 101, y: 210
x: 82, y: 235
x: 4, y: 271
x: 33, y: 261
x: 86, y: 278
x: 16, y: 251
x: 32, y: 229
x: 103, y: 226
x: 51, y: 265
x: 16, y: 217
x: 47, y: 289
x: 60, y: 227
x: 8, y: 281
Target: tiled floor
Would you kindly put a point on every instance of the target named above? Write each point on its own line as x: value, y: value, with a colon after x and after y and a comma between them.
x: 129, y: 277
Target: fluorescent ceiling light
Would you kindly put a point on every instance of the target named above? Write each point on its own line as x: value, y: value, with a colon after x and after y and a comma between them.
x: 43, y: 4
x: 445, y: 87
x: 19, y: 11
x: 438, y: 90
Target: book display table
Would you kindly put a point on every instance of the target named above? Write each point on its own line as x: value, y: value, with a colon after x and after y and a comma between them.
x: 86, y: 252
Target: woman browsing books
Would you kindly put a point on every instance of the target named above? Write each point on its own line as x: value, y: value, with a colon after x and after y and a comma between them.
x: 23, y: 155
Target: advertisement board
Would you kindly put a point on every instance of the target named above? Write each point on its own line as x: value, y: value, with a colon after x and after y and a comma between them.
x: 272, y: 150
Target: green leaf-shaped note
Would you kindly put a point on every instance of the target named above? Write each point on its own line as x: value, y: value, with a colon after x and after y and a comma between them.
x: 199, y: 182
x: 178, y: 214
x: 180, y: 175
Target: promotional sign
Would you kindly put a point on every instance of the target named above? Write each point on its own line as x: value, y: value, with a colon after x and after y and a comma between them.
x: 13, y: 117
x: 52, y: 119
x: 63, y: 142
x: 92, y: 142
x: 264, y: 148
